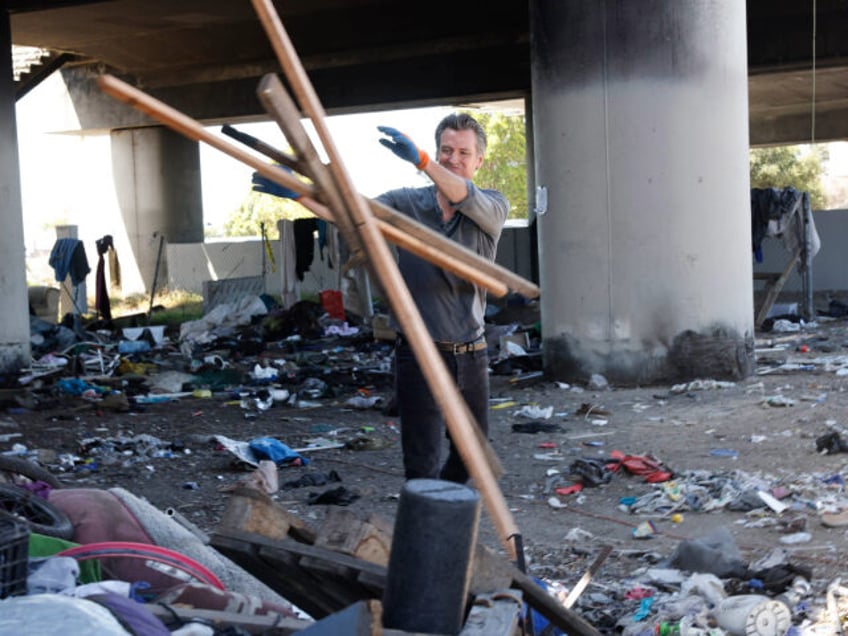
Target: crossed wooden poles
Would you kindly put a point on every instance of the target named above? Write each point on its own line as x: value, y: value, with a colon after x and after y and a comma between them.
x: 364, y: 225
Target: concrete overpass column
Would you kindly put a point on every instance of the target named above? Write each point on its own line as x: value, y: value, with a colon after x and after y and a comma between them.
x: 641, y: 138
x: 14, y: 319
x: 157, y: 179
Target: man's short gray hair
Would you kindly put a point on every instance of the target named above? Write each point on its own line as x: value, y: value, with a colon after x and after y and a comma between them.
x: 462, y: 121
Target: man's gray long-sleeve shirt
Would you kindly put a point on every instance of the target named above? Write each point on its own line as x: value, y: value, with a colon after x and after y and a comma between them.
x: 451, y: 307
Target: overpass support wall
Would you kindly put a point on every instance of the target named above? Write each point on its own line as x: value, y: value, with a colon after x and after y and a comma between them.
x: 157, y: 180
x: 641, y: 144
x: 14, y: 319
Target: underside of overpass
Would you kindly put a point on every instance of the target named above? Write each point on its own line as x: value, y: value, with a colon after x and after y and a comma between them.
x: 205, y: 57
x: 641, y: 118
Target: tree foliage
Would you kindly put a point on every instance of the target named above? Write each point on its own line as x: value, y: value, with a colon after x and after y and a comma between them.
x: 791, y: 166
x: 258, y: 208
x: 505, y: 167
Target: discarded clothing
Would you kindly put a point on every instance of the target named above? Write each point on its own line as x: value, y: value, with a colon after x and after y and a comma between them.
x: 536, y: 427
x: 276, y: 451
x: 340, y: 496
x: 313, y: 479
x: 304, y: 245
x: 67, y: 258
x: 831, y: 443
x: 101, y: 301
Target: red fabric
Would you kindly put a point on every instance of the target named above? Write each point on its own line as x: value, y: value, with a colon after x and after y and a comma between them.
x: 331, y: 301
x: 639, y: 465
x: 569, y: 490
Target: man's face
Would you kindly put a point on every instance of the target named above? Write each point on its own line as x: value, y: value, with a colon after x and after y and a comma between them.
x: 458, y: 152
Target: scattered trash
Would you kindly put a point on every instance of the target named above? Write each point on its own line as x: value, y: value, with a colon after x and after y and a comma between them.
x: 724, y: 452
x: 701, y: 385
x: 536, y: 427
x: 645, y: 530
x: 535, y: 412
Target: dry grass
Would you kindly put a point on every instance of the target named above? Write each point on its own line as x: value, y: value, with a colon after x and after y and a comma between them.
x: 170, y: 306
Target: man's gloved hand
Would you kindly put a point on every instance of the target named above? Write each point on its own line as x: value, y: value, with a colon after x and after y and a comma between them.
x: 404, y: 147
x: 266, y: 186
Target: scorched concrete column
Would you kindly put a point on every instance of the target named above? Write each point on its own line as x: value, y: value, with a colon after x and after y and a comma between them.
x: 14, y: 316
x: 641, y: 137
x: 157, y: 179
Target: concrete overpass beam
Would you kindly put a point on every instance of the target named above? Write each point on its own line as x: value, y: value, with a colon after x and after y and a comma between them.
x: 157, y: 180
x: 641, y: 137
x: 14, y: 319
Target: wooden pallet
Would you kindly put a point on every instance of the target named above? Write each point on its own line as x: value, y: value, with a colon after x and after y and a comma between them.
x: 323, y: 581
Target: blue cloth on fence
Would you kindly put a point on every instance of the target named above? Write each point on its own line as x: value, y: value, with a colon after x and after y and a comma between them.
x: 67, y: 258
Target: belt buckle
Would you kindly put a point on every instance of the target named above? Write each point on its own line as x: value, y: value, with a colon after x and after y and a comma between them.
x: 458, y: 348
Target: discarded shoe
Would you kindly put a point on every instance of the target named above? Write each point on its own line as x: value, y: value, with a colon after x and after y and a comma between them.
x: 590, y: 471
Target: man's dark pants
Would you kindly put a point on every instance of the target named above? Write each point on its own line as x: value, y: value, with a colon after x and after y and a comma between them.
x: 422, y: 424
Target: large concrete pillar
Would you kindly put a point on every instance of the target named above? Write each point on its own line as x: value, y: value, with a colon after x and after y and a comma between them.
x: 641, y: 138
x: 14, y: 318
x: 157, y: 180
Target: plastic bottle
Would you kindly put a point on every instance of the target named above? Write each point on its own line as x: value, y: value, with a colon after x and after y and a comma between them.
x: 667, y: 629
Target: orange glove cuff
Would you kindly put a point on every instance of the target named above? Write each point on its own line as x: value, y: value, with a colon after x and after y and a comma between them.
x: 425, y: 159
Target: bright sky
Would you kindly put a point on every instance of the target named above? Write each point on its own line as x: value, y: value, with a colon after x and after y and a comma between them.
x: 62, y: 174
x: 372, y: 167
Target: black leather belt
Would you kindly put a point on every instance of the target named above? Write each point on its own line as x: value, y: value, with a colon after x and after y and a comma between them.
x: 456, y: 348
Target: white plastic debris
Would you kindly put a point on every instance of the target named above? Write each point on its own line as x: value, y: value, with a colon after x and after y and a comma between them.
x: 535, y: 412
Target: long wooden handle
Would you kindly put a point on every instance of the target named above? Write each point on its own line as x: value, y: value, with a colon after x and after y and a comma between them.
x: 433, y: 367
x: 283, y: 110
x: 438, y: 249
x: 460, y: 253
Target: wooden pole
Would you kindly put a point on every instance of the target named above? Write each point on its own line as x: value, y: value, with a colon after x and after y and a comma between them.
x: 407, y: 225
x: 440, y: 250
x: 282, y: 108
x: 433, y: 367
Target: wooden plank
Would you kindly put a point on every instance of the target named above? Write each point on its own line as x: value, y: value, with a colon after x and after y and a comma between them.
x: 773, y: 290
x: 271, y: 624
x: 315, y: 579
x: 287, y: 579
x: 464, y: 432
x: 344, y: 532
x: 191, y: 129
x: 549, y: 607
x: 373, y: 576
x: 494, y: 615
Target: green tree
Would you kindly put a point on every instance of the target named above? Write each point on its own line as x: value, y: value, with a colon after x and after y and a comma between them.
x: 791, y: 166
x: 258, y: 208
x: 505, y: 167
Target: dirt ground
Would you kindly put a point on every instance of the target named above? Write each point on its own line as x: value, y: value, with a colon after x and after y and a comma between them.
x: 762, y: 431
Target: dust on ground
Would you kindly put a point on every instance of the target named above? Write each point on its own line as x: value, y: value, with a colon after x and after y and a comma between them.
x: 761, y: 432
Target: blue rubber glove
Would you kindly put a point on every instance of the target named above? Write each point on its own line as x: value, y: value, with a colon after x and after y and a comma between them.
x: 266, y: 186
x: 404, y: 147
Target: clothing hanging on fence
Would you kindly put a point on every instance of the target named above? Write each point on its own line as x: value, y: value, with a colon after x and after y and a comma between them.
x: 67, y: 258
x: 782, y: 213
x: 114, y: 269
x: 304, y: 242
x: 101, y: 293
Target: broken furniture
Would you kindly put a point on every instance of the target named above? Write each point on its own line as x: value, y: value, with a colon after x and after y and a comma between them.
x: 44, y: 302
x: 344, y: 562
